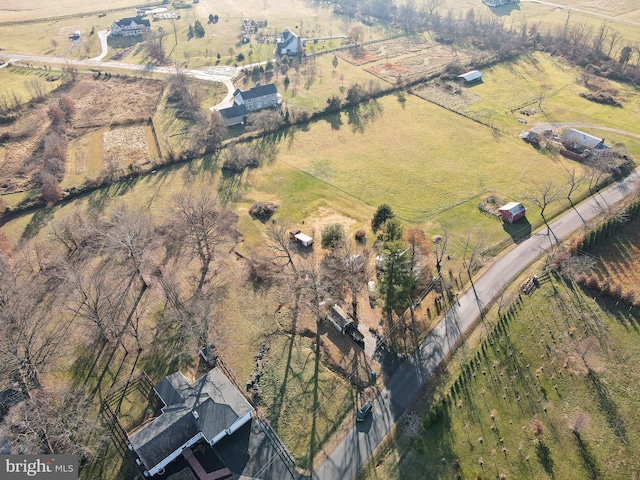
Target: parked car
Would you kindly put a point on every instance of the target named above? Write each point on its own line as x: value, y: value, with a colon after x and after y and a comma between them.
x: 363, y: 412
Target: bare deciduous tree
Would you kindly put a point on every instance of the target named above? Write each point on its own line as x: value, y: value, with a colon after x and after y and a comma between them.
x: 60, y: 423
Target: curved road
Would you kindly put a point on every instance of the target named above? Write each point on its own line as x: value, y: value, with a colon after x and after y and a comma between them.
x: 360, y: 442
x: 222, y: 74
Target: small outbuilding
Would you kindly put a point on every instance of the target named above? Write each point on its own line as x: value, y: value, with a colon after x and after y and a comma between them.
x: 471, y: 77
x: 301, y: 238
x: 512, y: 212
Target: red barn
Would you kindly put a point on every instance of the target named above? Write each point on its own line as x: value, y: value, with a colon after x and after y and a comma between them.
x: 512, y: 212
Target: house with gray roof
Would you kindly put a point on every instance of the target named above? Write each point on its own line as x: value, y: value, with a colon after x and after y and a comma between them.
x: 245, y: 102
x: 208, y: 409
x: 130, y: 27
x: 288, y: 44
x: 575, y: 140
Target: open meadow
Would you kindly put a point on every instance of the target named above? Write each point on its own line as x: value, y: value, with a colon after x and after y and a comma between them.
x: 545, y: 390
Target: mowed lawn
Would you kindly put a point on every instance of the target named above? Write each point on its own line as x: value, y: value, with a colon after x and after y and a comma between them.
x: 512, y: 86
x: 561, y: 358
x: 419, y: 158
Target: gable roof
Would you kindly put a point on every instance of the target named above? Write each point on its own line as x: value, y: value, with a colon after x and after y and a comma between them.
x: 125, y: 22
x: 234, y: 111
x: 287, y: 39
x: 471, y: 76
x: 512, y: 207
x: 258, y: 91
x: 206, y: 408
x: 583, y: 139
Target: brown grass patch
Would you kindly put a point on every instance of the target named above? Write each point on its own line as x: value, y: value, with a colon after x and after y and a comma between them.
x: 126, y: 145
x: 385, y: 49
x: 447, y: 94
x: 98, y: 103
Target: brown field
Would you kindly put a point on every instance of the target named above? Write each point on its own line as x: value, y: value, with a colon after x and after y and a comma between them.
x: 98, y: 103
x: 415, y: 66
x: 103, y: 102
x: 385, y: 50
x: 450, y: 95
x: 14, y: 10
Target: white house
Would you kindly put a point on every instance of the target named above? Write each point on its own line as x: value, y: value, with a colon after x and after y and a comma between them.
x: 208, y: 409
x: 130, y: 27
x: 289, y: 44
x: 497, y: 3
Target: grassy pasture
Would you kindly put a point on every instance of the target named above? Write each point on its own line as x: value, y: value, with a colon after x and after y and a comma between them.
x: 14, y: 79
x: 561, y: 358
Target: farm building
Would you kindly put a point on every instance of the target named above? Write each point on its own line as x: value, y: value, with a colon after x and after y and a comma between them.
x: 256, y: 98
x: 576, y: 140
x: 512, y: 212
x: 130, y: 27
x: 301, y: 238
x: 289, y: 44
x: 208, y: 409
x: 472, y: 76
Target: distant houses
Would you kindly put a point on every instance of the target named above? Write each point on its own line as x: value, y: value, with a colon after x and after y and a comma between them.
x: 497, y: 3
x: 130, y: 27
x: 245, y: 102
x: 289, y: 44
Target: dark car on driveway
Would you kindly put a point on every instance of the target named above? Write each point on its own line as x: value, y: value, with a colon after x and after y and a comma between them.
x: 363, y: 412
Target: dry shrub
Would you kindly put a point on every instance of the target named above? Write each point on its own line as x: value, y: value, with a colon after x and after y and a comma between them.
x: 361, y: 235
x: 51, y: 191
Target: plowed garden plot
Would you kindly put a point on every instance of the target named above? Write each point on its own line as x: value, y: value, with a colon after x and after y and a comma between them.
x: 427, y: 62
x: 125, y: 146
x: 385, y: 50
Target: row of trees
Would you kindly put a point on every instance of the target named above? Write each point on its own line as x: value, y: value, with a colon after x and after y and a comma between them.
x: 90, y: 281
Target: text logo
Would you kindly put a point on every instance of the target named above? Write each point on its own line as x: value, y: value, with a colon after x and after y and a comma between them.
x: 50, y: 467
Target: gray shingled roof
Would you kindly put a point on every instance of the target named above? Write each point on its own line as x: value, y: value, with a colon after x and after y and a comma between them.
x: 235, y: 111
x: 218, y: 405
x: 286, y: 39
x: 259, y: 91
x: 125, y: 22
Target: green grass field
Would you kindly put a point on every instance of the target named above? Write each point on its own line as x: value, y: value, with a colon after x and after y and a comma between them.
x: 561, y: 358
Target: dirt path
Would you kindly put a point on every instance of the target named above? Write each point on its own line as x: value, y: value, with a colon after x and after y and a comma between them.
x: 102, y: 35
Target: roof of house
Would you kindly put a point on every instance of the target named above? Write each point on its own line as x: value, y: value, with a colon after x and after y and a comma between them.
x: 584, y: 139
x: 257, y: 91
x: 287, y: 38
x: 234, y: 111
x: 214, y: 399
x: 471, y: 76
x: 513, y: 208
x: 125, y: 22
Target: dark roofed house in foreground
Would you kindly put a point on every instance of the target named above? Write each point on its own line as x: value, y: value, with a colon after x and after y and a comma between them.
x: 208, y: 409
x: 245, y: 102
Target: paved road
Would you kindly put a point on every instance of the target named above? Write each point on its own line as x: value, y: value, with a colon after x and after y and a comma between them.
x: 349, y: 456
x: 222, y: 74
